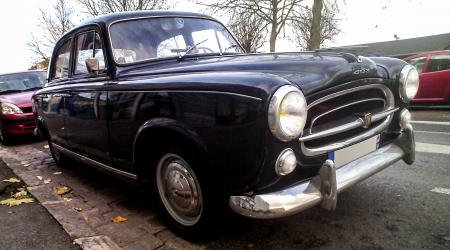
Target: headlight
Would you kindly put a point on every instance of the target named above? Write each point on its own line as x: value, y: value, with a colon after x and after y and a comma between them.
x: 287, y: 113
x: 409, y: 83
x: 9, y: 108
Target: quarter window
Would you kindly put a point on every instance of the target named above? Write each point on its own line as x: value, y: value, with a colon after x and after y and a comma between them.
x: 418, y: 62
x: 61, y: 67
x: 88, y: 45
x: 439, y: 63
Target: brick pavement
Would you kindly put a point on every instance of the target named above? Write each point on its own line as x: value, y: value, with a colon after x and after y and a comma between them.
x: 85, y: 213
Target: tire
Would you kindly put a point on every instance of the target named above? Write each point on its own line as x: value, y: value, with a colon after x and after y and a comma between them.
x: 59, y: 158
x: 183, y: 194
x: 4, y: 139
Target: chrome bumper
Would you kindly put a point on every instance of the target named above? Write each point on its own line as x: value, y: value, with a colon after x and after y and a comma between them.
x: 323, y: 188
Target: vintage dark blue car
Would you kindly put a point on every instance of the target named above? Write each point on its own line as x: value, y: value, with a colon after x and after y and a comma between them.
x: 171, y: 101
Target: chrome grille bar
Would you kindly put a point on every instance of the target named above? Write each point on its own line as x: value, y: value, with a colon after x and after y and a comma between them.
x: 385, y: 116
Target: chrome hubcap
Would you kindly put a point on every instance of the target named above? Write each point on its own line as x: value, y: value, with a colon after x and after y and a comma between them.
x: 179, y: 189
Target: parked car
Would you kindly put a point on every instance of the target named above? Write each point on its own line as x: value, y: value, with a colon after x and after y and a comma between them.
x: 16, y: 115
x: 171, y: 101
x: 434, y: 75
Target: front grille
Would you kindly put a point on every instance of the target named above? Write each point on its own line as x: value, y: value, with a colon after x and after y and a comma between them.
x: 342, y: 118
x: 27, y: 109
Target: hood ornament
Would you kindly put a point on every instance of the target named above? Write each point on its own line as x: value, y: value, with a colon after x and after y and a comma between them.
x: 366, y: 119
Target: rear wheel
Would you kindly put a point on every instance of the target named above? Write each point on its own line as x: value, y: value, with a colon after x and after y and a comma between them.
x: 59, y: 158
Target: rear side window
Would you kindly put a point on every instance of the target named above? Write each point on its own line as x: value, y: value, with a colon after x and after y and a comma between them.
x: 88, y: 45
x: 61, y: 66
x: 439, y: 63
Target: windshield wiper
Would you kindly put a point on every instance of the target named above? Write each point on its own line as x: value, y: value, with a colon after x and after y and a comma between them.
x: 10, y: 91
x: 33, y: 88
x: 180, y: 57
x: 230, y: 47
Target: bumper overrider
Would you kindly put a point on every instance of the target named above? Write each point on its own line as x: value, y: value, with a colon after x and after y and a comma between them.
x: 323, y: 188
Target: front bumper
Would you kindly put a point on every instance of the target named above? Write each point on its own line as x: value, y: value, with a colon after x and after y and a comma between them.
x: 323, y: 188
x: 18, y: 124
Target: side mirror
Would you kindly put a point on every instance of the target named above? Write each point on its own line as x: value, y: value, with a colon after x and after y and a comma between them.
x: 93, y: 66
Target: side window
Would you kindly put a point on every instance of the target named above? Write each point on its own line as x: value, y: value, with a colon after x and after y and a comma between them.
x: 88, y: 45
x: 439, y: 62
x: 418, y: 62
x: 61, y: 66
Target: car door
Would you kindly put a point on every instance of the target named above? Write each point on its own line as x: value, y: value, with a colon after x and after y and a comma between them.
x: 86, y: 117
x: 436, y: 80
x: 52, y: 102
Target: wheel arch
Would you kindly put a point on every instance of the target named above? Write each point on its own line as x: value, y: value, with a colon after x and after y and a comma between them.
x: 159, y: 133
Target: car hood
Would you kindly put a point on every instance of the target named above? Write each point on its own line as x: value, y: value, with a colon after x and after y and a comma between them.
x: 20, y: 99
x: 309, y: 71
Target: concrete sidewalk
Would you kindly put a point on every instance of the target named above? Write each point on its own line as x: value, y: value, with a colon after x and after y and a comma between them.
x: 95, y: 198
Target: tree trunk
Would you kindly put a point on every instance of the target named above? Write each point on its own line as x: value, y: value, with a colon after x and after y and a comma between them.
x: 273, y: 38
x: 274, y: 24
x: 314, y: 41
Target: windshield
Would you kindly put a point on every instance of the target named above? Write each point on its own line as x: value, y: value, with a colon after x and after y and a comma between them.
x: 152, y: 38
x: 20, y: 82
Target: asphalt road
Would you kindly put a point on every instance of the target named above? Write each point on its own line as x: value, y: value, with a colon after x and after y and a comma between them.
x: 402, y: 207
x: 28, y: 226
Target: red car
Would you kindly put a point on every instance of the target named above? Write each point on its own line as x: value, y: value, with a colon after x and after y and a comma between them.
x: 434, y: 75
x: 16, y: 114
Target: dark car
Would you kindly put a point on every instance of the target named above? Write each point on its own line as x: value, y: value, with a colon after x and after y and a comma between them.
x: 170, y: 100
x: 434, y: 75
x: 16, y: 114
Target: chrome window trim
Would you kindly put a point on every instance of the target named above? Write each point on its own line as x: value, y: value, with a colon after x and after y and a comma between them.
x: 161, y: 16
x: 94, y: 163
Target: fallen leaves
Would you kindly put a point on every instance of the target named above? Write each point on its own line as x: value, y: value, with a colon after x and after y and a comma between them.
x: 15, y: 202
x: 47, y: 181
x: 20, y: 194
x: 12, y: 180
x: 17, y: 199
x: 119, y: 219
x: 78, y: 209
x: 62, y: 190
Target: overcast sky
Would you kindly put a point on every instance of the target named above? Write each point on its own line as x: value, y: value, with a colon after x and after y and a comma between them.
x: 362, y: 21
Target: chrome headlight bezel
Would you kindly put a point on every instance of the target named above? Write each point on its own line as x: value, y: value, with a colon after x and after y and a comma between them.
x: 276, y: 125
x: 409, y: 83
x: 9, y: 109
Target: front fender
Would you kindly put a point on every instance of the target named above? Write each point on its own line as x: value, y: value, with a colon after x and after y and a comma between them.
x: 168, y: 126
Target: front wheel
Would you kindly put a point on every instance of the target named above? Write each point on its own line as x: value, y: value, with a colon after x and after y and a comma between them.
x: 183, y: 194
x: 4, y: 138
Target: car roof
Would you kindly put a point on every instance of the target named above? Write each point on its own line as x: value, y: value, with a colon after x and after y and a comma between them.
x: 429, y: 53
x: 24, y: 72
x: 108, y: 19
x: 118, y: 16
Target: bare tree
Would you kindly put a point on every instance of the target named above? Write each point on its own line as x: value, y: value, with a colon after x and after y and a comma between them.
x: 276, y: 14
x: 317, y: 25
x: 249, y: 30
x: 53, y: 24
x: 99, y: 7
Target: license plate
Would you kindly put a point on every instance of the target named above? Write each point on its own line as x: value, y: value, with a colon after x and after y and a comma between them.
x: 353, y: 152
